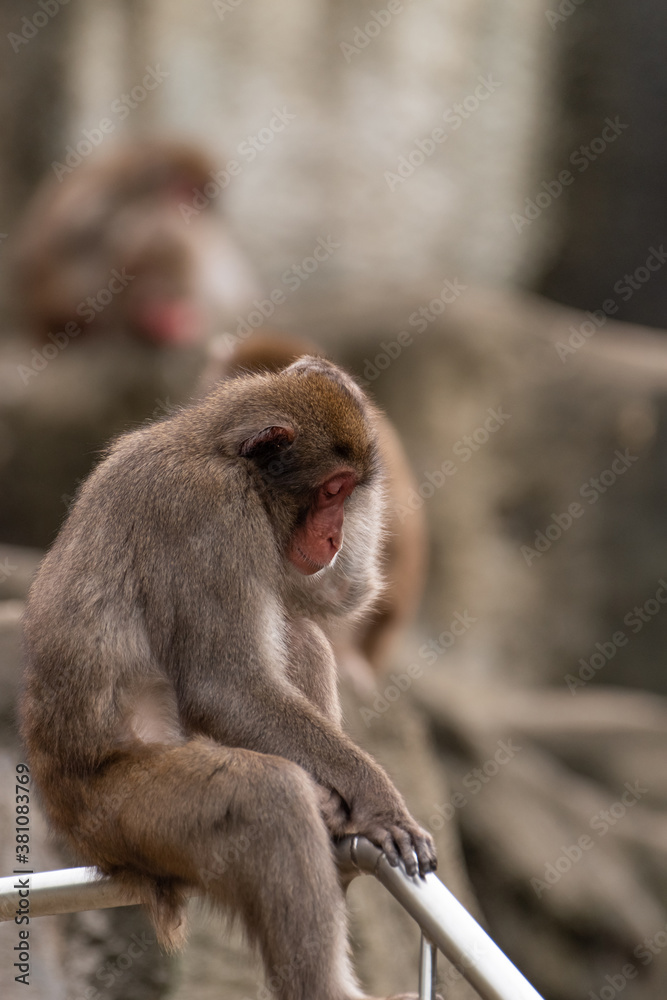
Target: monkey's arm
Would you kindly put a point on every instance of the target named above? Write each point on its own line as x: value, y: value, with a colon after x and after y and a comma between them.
x: 270, y: 716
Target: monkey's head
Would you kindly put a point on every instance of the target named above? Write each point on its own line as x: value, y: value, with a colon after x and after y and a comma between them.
x: 307, y: 436
x: 128, y: 244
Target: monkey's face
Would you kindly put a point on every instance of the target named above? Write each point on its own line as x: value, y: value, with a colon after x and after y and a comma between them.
x: 317, y: 539
x: 311, y: 463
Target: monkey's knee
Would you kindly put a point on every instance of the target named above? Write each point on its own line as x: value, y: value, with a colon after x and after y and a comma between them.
x: 290, y: 817
x: 297, y: 802
x: 273, y: 834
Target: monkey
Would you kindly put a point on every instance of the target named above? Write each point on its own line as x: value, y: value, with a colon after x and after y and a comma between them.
x: 179, y: 706
x: 267, y: 350
x: 116, y: 248
x: 365, y: 651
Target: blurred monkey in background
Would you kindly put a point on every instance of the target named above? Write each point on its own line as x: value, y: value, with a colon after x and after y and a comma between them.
x: 109, y: 249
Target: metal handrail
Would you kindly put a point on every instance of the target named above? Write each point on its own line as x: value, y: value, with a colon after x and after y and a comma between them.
x: 445, y: 923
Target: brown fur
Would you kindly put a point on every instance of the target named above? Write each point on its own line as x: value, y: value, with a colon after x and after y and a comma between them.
x: 120, y: 212
x: 179, y: 705
x: 372, y: 641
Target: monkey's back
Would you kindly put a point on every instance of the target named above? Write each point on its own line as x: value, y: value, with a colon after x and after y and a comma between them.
x: 105, y: 611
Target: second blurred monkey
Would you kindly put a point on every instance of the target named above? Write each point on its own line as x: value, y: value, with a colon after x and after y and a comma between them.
x: 109, y: 249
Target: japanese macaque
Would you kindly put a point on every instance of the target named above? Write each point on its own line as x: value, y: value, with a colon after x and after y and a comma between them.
x: 372, y: 641
x: 179, y: 706
x: 129, y: 243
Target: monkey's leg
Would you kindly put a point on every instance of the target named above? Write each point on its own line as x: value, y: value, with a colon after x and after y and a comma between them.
x: 245, y: 828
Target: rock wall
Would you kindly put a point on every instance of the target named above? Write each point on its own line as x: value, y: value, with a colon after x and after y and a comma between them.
x: 408, y: 136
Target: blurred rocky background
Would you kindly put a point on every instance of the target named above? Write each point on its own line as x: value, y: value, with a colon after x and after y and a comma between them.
x: 464, y: 202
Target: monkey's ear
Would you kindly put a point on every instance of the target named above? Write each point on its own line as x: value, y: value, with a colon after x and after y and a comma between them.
x: 272, y: 439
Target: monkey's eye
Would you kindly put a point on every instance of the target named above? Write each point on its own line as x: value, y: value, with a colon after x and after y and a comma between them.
x: 339, y: 486
x: 343, y: 451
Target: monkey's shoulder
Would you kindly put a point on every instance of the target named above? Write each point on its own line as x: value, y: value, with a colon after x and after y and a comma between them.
x: 156, y: 478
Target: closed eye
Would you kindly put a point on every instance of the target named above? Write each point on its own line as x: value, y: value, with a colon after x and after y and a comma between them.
x: 343, y: 451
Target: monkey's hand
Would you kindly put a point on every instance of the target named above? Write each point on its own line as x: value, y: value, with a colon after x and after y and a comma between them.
x: 393, y: 829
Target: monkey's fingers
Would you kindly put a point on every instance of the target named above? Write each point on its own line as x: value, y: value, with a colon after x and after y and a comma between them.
x: 384, y: 838
x: 404, y: 841
x: 397, y: 845
x: 409, y: 844
x: 425, y: 848
x: 421, y: 843
x: 428, y: 861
